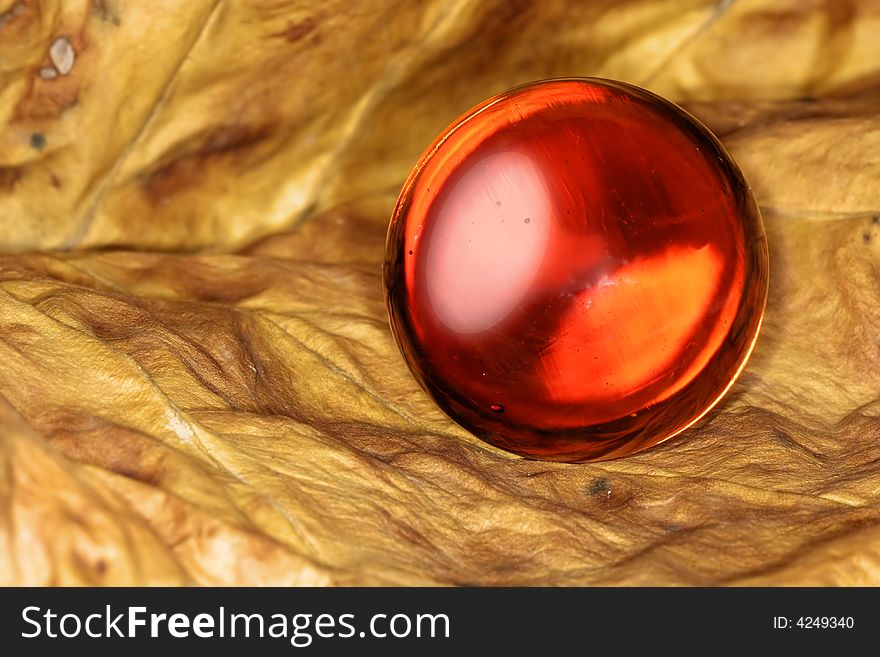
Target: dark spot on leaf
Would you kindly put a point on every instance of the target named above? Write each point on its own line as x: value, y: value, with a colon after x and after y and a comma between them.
x: 106, y: 12
x: 600, y: 486
x: 866, y: 238
x: 38, y: 141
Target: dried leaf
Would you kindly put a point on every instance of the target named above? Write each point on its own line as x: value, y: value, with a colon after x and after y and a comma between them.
x: 242, y: 415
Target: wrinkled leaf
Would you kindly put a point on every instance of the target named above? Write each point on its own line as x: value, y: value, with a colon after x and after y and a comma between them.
x: 202, y: 387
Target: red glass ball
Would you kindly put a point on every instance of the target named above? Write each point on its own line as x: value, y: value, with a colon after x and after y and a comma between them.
x: 576, y: 270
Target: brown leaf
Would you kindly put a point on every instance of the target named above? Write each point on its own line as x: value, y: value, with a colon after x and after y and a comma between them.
x: 243, y: 416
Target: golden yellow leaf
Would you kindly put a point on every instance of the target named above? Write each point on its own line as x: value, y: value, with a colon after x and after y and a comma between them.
x: 198, y: 381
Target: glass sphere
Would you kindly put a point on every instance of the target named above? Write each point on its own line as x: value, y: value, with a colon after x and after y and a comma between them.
x: 576, y: 270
